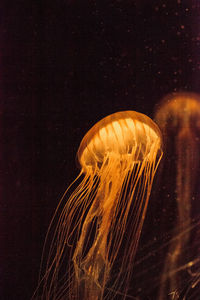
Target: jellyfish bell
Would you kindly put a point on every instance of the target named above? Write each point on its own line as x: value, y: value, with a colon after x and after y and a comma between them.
x: 118, y: 158
x: 125, y: 133
x: 180, y: 109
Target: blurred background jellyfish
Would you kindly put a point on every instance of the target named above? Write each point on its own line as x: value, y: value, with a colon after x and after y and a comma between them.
x: 178, y: 117
x: 101, y: 222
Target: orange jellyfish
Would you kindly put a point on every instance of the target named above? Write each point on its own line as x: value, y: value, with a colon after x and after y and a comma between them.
x: 179, y: 119
x: 98, y: 229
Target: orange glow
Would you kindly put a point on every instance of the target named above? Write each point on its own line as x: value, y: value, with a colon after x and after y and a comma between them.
x: 118, y: 158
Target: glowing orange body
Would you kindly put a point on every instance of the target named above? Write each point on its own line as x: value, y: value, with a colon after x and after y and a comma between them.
x: 118, y: 158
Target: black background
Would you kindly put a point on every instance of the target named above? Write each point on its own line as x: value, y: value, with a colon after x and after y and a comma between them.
x: 64, y: 66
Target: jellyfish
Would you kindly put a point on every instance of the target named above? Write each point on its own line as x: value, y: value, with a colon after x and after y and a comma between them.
x: 178, y: 117
x: 99, y: 226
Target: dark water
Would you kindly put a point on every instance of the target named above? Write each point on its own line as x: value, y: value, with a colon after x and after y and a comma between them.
x: 65, y: 65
